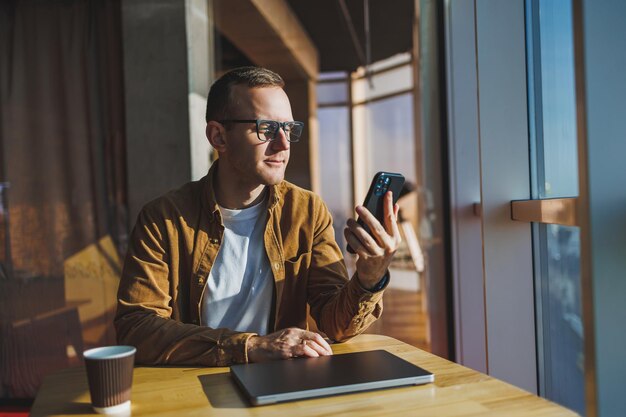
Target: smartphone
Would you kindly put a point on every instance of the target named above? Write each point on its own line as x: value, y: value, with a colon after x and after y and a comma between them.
x: 374, y: 200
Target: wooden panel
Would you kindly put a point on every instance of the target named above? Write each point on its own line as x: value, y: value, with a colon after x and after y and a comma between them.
x: 554, y: 211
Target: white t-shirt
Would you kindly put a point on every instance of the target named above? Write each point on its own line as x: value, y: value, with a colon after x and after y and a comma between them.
x: 238, y: 293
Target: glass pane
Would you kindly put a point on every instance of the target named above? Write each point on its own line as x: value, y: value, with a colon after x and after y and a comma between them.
x: 388, y: 82
x: 63, y: 219
x: 552, y: 110
x: 389, y: 138
x: 336, y: 172
x: 561, y: 316
x: 332, y: 75
x: 397, y: 59
x: 330, y: 93
x: 555, y: 101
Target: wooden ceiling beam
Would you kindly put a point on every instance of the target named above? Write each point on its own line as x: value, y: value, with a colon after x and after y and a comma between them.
x: 270, y: 35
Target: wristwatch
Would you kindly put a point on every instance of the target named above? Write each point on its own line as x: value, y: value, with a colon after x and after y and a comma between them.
x: 382, y: 283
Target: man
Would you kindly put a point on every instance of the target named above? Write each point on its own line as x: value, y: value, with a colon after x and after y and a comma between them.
x: 221, y: 270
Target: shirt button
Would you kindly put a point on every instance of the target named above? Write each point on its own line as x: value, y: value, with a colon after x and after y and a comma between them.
x: 276, y: 266
x: 200, y: 281
x: 214, y: 241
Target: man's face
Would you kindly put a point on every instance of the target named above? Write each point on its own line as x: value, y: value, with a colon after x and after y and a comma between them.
x: 253, y: 161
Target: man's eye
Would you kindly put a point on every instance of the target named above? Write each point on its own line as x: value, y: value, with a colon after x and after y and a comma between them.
x: 267, y: 127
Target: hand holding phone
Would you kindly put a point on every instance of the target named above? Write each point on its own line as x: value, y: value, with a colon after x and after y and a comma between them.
x: 375, y: 237
x: 374, y: 200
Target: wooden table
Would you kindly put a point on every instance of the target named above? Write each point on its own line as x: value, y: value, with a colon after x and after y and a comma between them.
x: 180, y: 391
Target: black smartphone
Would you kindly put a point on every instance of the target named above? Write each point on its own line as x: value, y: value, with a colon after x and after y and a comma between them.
x: 374, y: 200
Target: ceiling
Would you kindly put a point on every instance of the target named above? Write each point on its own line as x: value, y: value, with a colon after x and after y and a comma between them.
x: 390, y: 29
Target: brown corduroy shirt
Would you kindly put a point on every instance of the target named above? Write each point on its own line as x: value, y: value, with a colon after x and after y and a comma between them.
x: 173, y: 247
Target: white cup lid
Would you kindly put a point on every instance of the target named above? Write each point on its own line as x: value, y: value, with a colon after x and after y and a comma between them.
x: 109, y: 352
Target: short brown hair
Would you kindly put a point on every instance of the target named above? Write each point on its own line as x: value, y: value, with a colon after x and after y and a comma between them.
x: 218, y: 102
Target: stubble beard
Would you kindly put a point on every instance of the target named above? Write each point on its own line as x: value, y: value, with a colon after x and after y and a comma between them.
x: 273, y: 176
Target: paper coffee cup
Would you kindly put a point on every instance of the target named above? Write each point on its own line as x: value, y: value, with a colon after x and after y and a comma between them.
x: 110, y: 377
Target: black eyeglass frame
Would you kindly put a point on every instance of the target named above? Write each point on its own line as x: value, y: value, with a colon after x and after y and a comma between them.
x: 281, y: 125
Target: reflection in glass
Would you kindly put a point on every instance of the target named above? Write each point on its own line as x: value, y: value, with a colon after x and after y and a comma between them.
x: 561, y: 314
x: 67, y: 212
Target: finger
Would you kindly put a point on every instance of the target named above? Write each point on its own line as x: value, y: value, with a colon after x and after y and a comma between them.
x: 366, y: 239
x: 305, y: 347
x: 309, y: 351
x: 377, y: 229
x: 355, y: 243
x: 388, y: 210
x: 391, y: 213
x: 397, y: 234
x: 319, y: 350
x: 320, y: 341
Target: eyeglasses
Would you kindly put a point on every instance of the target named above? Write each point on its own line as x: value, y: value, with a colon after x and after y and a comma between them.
x: 267, y: 130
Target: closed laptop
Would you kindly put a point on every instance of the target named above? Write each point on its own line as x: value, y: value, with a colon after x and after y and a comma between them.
x: 300, y: 378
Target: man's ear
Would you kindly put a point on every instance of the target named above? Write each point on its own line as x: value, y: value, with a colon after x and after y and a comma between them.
x: 215, y: 134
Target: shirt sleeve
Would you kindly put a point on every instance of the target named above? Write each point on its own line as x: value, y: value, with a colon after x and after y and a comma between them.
x: 341, y: 307
x: 144, y: 311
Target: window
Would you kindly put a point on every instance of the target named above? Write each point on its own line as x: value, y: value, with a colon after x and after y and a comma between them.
x: 554, y: 172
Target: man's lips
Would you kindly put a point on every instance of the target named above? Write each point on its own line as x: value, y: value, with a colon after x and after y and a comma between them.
x: 275, y: 161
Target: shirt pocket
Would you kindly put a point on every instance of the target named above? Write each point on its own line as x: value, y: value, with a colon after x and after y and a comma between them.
x: 297, y: 268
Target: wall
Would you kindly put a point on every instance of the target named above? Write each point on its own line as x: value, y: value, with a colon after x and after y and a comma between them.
x: 156, y: 89
x: 602, y: 88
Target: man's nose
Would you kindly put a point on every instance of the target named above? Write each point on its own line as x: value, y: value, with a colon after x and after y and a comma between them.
x: 280, y: 143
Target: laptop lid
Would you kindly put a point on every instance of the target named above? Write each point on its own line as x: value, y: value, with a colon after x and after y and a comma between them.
x: 300, y: 378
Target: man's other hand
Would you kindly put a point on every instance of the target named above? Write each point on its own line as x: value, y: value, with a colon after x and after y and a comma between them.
x: 287, y: 343
x: 376, y: 250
